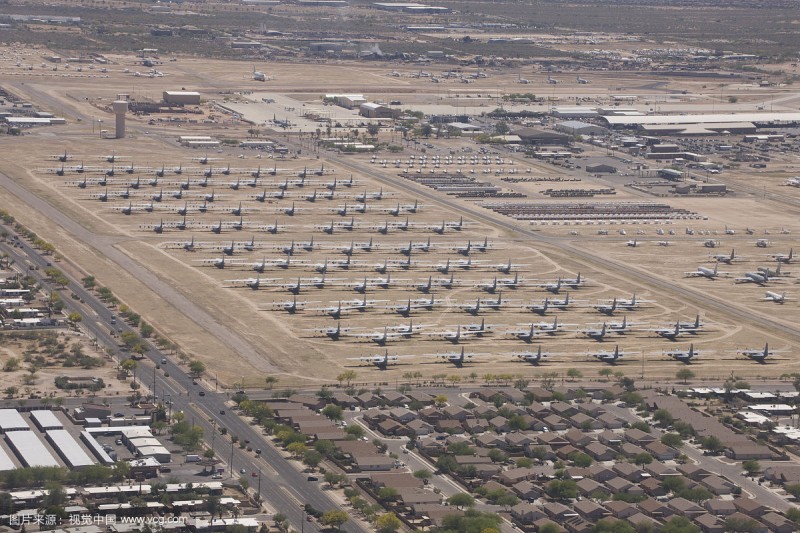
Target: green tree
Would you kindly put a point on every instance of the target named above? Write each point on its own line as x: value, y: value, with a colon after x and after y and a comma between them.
x: 793, y: 490
x: 685, y: 375
x: 751, y: 466
x: 663, y: 417
x: 574, y: 373
x: 680, y: 524
x: 673, y: 440
x: 347, y: 376
x: 423, y: 473
x: 497, y: 455
x: 461, y: 500
x: 333, y: 411
x: 673, y: 483
x: 643, y: 458
x: 581, y: 459
x: 388, y: 523
x: 736, y: 524
x: 609, y: 525
x: 562, y: 489
x: 196, y: 367
x: 712, y: 444
x: 74, y: 317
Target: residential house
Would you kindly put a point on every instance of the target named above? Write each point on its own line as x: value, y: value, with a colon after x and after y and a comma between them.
x: 718, y: 485
x: 611, y: 421
x: 395, y: 399
x: 368, y: 400
x: 709, y: 523
x: 584, y: 421
x: 578, y: 438
x: 609, y: 438
x: 600, y: 452
x: 685, y: 508
x: 527, y: 490
x: 639, y: 437
x: 720, y: 507
x: 628, y: 471
x: 590, y: 510
x: 661, y: 451
x: 777, y: 523
x: 656, y: 509
x: 419, y: 427
x: 620, y: 509
x: 491, y: 440
x: 751, y: 507
x: 527, y: 513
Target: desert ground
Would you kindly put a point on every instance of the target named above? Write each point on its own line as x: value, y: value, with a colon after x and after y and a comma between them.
x: 242, y: 334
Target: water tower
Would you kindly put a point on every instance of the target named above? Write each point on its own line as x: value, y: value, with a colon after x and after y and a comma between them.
x: 120, y: 107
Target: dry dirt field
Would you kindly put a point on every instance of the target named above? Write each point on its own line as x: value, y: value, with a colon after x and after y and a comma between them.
x: 241, y: 334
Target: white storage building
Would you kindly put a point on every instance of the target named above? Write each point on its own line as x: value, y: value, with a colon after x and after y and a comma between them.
x: 46, y: 420
x: 68, y: 448
x: 29, y: 449
x: 11, y: 420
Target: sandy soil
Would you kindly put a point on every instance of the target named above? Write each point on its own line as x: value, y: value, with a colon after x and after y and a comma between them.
x: 239, y: 335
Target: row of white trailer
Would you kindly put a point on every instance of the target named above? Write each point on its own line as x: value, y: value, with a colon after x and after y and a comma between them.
x: 29, y: 447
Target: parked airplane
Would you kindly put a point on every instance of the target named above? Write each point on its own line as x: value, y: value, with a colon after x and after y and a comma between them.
x: 781, y: 258
x: 532, y: 357
x: 671, y: 333
x: 381, y: 361
x: 526, y: 335
x: 611, y: 357
x: 292, y: 306
x: 684, y: 356
x: 759, y: 278
x: 705, y: 272
x: 595, y: 333
x: 606, y: 308
x: 773, y: 273
x: 582, y: 81
x: 757, y: 354
x: 774, y: 297
x: 457, y: 358
x: 727, y: 259
x: 695, y: 326
x: 258, y: 76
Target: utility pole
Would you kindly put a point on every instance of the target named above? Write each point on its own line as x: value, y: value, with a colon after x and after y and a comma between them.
x: 230, y: 463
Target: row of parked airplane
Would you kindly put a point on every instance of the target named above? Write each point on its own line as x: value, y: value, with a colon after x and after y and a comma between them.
x: 333, y: 227
x: 459, y: 358
x: 206, y: 181
x: 353, y: 247
x: 526, y: 332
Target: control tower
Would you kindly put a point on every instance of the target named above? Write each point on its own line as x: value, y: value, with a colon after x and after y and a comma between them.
x: 120, y: 108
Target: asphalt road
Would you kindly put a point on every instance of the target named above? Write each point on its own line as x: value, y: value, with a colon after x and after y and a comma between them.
x: 283, y: 487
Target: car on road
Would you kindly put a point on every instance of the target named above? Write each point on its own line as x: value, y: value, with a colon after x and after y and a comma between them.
x: 312, y: 478
x: 254, y: 474
x: 222, y: 412
x: 258, y: 451
x: 163, y: 360
x: 242, y: 471
x: 118, y: 415
x: 202, y: 393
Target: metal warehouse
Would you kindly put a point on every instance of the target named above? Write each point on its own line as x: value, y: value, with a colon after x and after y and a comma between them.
x: 68, y: 448
x: 757, y: 118
x: 30, y: 450
x: 11, y: 420
x: 46, y: 420
x: 5, y: 461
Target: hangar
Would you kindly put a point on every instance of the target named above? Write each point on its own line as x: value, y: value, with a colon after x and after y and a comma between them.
x: 702, y: 124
